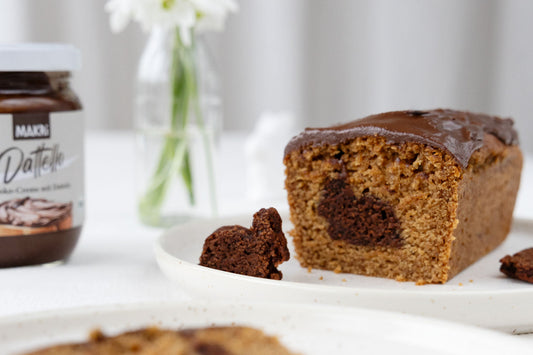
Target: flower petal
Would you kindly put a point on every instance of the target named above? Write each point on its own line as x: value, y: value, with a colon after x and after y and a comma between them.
x: 121, y: 12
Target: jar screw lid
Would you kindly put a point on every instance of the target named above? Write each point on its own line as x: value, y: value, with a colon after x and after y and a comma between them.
x: 39, y: 57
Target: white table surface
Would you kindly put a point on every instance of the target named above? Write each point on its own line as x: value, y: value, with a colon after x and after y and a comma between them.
x: 114, y: 262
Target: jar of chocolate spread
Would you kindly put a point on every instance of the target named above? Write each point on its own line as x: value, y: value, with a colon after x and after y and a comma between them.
x: 41, y: 154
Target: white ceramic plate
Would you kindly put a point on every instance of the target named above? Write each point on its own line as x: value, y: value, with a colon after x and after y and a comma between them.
x: 303, y: 328
x: 480, y: 295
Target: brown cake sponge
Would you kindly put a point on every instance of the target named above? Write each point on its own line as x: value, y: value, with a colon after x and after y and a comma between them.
x: 255, y: 251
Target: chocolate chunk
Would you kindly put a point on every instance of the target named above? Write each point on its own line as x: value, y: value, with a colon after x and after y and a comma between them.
x: 519, y: 266
x: 255, y: 252
x: 365, y: 221
x: 417, y: 113
x: 205, y: 348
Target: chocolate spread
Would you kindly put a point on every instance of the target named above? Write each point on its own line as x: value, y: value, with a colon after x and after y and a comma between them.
x: 459, y: 133
x: 38, y: 248
x: 41, y: 165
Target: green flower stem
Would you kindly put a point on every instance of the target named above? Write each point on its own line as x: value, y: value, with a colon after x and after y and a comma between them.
x: 207, y: 147
x: 184, y: 90
x: 175, y: 154
x: 208, y: 158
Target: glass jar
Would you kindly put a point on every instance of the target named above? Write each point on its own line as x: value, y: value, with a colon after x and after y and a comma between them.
x: 41, y: 154
x: 178, y: 117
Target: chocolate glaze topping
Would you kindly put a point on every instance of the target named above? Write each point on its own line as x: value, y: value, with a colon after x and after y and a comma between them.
x: 460, y: 133
x: 32, y: 212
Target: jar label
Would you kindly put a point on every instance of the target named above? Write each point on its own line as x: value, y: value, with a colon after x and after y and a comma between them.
x: 41, y: 172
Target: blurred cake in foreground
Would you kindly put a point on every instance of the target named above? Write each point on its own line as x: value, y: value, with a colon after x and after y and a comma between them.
x: 255, y: 251
x: 151, y: 341
x: 409, y: 195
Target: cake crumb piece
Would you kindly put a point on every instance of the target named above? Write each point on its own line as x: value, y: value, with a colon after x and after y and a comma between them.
x: 255, y: 251
x: 321, y: 278
x: 309, y: 269
x: 519, y: 266
x: 337, y: 270
x: 470, y: 281
x: 460, y: 284
x: 343, y: 280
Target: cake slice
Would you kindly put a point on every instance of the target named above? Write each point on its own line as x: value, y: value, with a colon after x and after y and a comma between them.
x: 409, y: 195
x: 519, y: 266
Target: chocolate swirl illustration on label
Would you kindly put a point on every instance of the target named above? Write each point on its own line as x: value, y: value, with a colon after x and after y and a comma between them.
x: 35, y: 213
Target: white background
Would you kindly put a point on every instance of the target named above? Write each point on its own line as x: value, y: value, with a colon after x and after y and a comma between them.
x: 326, y: 61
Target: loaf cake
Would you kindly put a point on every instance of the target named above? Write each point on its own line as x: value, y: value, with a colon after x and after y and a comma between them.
x: 206, y: 341
x: 24, y: 216
x: 409, y: 195
x: 255, y: 251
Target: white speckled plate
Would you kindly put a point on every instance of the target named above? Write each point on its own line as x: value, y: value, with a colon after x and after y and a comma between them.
x: 303, y: 328
x: 480, y: 295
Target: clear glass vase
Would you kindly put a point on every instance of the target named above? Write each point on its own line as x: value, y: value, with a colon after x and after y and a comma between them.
x: 178, y: 117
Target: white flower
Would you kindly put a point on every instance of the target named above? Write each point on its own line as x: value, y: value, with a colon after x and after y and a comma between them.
x: 121, y: 12
x: 200, y: 15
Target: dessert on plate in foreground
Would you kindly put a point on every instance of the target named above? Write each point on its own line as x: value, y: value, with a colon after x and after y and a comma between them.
x: 410, y: 195
x: 255, y: 251
x: 203, y: 341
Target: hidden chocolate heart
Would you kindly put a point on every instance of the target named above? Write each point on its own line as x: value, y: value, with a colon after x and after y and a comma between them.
x: 360, y: 221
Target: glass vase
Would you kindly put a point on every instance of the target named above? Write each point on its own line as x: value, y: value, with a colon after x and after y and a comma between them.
x: 178, y: 117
